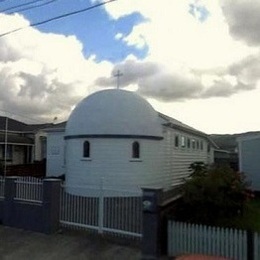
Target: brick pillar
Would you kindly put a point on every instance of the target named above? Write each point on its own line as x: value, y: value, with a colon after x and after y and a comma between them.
x: 10, y: 191
x: 51, y: 205
x: 151, y: 243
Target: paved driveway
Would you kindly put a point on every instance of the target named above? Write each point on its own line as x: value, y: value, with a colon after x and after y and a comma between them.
x: 18, y: 244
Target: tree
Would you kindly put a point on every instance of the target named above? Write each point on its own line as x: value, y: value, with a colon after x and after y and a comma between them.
x: 212, y: 194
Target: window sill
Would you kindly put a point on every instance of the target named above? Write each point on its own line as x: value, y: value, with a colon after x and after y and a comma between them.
x: 135, y: 160
x: 86, y: 159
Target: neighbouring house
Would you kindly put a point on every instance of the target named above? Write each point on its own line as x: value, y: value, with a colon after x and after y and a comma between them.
x: 225, y: 157
x: 21, y: 143
x: 114, y: 139
x: 249, y: 159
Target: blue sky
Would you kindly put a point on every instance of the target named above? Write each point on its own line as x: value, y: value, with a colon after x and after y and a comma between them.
x: 94, y: 28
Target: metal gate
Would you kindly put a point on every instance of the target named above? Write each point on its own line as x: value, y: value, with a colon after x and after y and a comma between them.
x: 120, y: 215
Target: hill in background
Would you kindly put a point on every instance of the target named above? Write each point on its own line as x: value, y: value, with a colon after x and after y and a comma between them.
x: 228, y: 142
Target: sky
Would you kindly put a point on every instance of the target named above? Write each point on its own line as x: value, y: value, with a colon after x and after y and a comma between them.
x: 197, y: 61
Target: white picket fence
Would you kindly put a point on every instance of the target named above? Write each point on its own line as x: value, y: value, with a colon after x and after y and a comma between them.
x: 29, y: 189
x: 256, y: 246
x: 185, y: 238
x: 120, y: 216
x: 2, y: 187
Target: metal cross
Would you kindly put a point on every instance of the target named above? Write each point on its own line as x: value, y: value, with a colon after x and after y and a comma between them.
x: 118, y: 75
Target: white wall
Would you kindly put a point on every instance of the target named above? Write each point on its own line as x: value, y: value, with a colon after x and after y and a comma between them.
x: 38, y: 156
x: 176, y: 160
x: 161, y: 163
x: 111, y: 163
x: 55, y: 154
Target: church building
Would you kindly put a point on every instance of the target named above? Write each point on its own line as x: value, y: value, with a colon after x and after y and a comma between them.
x: 114, y: 139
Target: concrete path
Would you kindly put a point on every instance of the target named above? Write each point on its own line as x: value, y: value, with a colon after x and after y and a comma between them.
x: 16, y: 244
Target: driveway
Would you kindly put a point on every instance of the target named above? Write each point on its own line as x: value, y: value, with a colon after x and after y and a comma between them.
x: 16, y: 244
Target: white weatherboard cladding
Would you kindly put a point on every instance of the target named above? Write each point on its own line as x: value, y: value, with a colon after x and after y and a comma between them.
x: 176, y: 160
x: 110, y: 162
x: 55, y: 154
x: 114, y: 112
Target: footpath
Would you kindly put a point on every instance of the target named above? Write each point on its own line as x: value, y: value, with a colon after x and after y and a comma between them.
x: 16, y: 244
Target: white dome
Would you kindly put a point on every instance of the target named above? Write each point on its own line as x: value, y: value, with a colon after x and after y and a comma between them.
x: 114, y: 112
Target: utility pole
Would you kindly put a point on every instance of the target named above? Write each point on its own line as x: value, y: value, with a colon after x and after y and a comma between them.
x: 6, y: 140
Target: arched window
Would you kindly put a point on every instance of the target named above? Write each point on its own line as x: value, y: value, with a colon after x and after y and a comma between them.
x: 86, y: 149
x: 135, y: 150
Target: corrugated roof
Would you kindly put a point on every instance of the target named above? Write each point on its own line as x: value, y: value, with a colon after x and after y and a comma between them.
x: 178, y: 124
x: 173, y: 123
x: 15, y: 139
x: 13, y: 125
x: 17, y: 126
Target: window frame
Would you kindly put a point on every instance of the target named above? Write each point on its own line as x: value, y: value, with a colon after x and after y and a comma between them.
x: 183, y: 141
x: 136, y: 155
x: 9, y: 152
x: 188, y: 143
x: 176, y: 141
x: 86, y: 150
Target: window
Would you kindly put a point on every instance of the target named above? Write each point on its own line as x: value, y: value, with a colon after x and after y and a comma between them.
x: 9, y: 152
x: 86, y: 149
x: 198, y: 145
x: 193, y: 144
x: 176, y: 141
x: 135, y: 150
x: 182, y: 141
x: 201, y: 145
x: 208, y: 148
x: 188, y: 142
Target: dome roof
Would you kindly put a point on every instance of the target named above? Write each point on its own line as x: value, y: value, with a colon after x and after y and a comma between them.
x: 114, y: 112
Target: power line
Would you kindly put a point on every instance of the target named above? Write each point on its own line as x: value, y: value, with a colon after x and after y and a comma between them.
x: 58, y: 17
x: 21, y: 5
x: 33, y: 7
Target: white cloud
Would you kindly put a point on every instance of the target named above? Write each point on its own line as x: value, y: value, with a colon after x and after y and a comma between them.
x: 43, y: 75
x: 119, y: 36
x: 243, y: 20
x: 196, y: 62
x: 192, y: 62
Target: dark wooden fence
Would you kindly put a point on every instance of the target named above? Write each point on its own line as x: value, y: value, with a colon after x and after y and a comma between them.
x: 37, y: 169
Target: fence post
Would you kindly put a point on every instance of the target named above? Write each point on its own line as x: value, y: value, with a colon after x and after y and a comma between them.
x: 10, y: 193
x: 151, y: 248
x: 250, y: 244
x: 101, y: 207
x: 51, y: 205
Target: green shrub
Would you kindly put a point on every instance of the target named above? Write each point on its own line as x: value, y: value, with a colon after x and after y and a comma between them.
x: 213, y: 193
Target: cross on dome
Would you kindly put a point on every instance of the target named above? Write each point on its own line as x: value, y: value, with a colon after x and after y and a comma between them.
x: 118, y: 75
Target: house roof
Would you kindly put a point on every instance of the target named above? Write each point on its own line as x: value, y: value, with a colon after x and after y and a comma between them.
x: 60, y: 127
x: 17, y: 126
x: 114, y: 112
x: 175, y: 124
x: 15, y: 139
x: 169, y: 121
x: 13, y: 125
